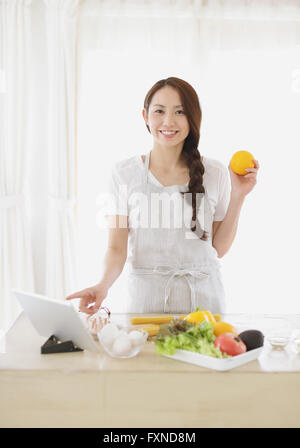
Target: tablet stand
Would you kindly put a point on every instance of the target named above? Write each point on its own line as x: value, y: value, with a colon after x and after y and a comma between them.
x: 54, y: 345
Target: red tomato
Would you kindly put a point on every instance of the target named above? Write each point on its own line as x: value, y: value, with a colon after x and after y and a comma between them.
x: 231, y: 344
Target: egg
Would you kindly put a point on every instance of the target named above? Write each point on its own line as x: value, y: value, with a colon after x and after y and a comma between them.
x: 122, y: 346
x: 108, y: 334
x: 136, y: 337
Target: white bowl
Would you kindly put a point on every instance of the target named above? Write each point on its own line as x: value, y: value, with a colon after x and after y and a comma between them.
x: 278, y: 332
x: 133, y: 350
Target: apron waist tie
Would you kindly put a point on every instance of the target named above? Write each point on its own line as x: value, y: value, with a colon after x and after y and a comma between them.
x: 172, y: 273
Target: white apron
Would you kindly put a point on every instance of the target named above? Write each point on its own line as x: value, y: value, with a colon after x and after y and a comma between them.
x: 172, y: 270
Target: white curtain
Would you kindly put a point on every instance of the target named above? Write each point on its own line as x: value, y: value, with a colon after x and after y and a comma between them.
x: 61, y: 25
x: 190, y: 25
x: 16, y: 267
x: 242, y: 57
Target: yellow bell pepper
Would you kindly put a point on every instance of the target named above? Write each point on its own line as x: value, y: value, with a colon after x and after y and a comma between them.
x: 223, y: 327
x: 199, y: 316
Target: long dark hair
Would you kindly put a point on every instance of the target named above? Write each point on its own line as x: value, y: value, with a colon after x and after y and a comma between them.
x: 190, y: 153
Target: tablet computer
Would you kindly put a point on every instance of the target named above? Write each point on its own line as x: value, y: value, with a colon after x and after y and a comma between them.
x: 56, y: 317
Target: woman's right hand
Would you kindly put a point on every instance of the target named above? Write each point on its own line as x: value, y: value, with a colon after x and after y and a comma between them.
x: 91, y: 298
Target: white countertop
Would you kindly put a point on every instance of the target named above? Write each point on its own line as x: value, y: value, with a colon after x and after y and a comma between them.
x: 84, y: 389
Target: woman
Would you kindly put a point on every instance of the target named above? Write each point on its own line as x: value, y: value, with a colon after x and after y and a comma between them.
x: 173, y: 268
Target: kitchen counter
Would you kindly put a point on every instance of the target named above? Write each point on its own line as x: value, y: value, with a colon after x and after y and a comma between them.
x: 84, y: 389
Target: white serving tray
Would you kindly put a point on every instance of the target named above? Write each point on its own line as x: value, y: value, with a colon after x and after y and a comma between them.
x: 215, y: 363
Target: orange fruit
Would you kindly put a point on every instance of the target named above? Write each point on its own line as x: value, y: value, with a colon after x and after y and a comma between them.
x: 241, y: 160
x: 223, y: 327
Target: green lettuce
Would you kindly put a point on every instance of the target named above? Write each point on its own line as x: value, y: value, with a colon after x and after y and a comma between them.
x: 185, y: 336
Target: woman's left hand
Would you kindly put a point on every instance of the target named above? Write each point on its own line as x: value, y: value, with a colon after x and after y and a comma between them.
x: 242, y: 185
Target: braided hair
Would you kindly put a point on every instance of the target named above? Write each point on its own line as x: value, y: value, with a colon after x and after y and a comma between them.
x: 190, y: 153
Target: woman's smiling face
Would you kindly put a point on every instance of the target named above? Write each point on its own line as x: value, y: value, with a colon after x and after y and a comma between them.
x: 166, y: 113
